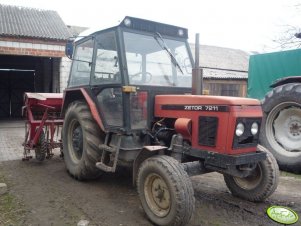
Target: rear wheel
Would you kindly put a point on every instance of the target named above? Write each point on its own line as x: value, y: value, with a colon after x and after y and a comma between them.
x: 165, y: 191
x: 281, y: 130
x: 260, y: 184
x: 81, y: 138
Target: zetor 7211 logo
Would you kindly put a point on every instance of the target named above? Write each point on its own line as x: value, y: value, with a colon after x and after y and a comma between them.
x: 201, y: 108
x: 220, y: 108
x: 282, y: 215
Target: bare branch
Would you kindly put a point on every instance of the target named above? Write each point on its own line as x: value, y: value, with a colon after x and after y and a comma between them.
x: 290, y: 37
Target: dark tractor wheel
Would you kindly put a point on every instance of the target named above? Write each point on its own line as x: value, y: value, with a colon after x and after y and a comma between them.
x: 281, y: 126
x: 165, y: 191
x: 41, y: 148
x: 81, y: 138
x: 262, y: 182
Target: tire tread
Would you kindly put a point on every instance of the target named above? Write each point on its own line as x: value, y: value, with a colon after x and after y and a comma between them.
x: 283, y: 93
x: 180, y: 181
x: 265, y: 188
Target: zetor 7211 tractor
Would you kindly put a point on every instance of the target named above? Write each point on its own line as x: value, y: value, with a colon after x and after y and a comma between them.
x: 129, y: 103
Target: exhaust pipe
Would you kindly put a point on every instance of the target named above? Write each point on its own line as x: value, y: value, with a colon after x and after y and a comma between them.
x: 197, y: 72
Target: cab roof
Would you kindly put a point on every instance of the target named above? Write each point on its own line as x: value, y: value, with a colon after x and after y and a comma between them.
x: 138, y: 24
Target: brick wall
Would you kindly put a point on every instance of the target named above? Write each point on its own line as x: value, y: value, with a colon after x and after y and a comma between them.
x: 30, y: 52
x: 31, y: 47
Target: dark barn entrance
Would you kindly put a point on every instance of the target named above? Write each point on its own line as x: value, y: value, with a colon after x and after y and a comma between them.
x: 19, y: 74
x: 13, y: 84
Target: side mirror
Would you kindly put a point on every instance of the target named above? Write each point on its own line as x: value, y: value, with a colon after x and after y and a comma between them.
x: 69, y: 48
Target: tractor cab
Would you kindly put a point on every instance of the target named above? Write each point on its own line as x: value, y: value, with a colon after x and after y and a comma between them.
x: 122, y: 68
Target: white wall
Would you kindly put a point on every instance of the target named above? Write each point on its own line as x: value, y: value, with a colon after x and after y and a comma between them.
x: 65, y: 65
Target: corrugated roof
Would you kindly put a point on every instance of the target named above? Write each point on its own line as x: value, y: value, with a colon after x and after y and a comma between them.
x: 33, y: 23
x: 224, y: 58
x: 224, y: 74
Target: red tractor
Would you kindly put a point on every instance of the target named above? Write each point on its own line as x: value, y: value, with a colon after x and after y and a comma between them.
x: 129, y: 103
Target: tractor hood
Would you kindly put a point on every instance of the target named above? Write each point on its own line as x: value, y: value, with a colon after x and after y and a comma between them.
x: 203, y: 100
x: 191, y: 103
x: 172, y: 105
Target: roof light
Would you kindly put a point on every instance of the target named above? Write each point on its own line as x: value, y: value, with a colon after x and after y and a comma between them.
x: 127, y: 22
x: 180, y: 32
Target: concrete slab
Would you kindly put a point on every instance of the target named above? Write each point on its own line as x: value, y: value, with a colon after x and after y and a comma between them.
x: 12, y: 134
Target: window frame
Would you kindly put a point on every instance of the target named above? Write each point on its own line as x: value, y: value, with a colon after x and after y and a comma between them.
x: 75, y: 61
x: 113, y: 31
x: 184, y: 41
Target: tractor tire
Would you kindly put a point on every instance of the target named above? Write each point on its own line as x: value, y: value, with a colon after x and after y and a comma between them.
x: 260, y: 184
x: 81, y: 138
x: 281, y: 125
x: 41, y: 148
x: 165, y: 191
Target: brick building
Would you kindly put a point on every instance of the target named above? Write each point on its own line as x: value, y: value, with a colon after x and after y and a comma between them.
x: 32, y: 55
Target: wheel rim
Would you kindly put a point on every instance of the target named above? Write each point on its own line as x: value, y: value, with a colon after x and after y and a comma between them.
x: 252, y: 181
x: 283, y: 128
x: 157, y: 195
x: 75, y: 136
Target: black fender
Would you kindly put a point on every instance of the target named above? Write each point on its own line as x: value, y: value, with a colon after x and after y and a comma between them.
x: 70, y: 96
x: 286, y: 80
x: 80, y: 94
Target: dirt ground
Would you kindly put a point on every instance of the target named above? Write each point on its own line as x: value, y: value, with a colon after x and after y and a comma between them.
x: 44, y: 194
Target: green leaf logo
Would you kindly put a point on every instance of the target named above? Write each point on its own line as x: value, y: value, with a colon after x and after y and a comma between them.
x: 283, y: 215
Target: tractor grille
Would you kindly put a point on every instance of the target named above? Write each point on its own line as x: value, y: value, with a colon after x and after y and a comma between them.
x: 207, y: 130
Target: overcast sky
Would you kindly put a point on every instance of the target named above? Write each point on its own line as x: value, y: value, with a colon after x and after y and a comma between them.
x: 249, y: 25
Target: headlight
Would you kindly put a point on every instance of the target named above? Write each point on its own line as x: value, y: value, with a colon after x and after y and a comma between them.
x: 254, y: 128
x: 240, y: 128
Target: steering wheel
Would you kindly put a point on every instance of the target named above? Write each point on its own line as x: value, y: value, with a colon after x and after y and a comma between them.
x: 187, y: 65
x: 148, y: 77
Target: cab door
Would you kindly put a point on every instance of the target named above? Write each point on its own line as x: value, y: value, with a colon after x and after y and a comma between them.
x: 106, y: 80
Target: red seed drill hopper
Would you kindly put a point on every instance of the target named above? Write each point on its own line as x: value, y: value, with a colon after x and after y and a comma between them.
x: 42, y: 127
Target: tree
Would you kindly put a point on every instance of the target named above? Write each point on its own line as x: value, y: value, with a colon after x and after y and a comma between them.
x: 290, y: 37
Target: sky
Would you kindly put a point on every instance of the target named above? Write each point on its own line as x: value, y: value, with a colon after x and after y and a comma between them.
x: 249, y: 25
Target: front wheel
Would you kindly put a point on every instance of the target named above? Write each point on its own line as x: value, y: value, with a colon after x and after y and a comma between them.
x: 165, y: 191
x: 260, y: 184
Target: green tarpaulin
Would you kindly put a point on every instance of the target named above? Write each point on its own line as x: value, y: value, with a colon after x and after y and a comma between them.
x: 264, y: 69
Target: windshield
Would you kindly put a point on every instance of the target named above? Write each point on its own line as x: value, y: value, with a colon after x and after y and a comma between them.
x: 159, y: 63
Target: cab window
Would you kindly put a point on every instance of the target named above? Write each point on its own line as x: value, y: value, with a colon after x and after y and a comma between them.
x: 106, y: 61
x: 82, y: 63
